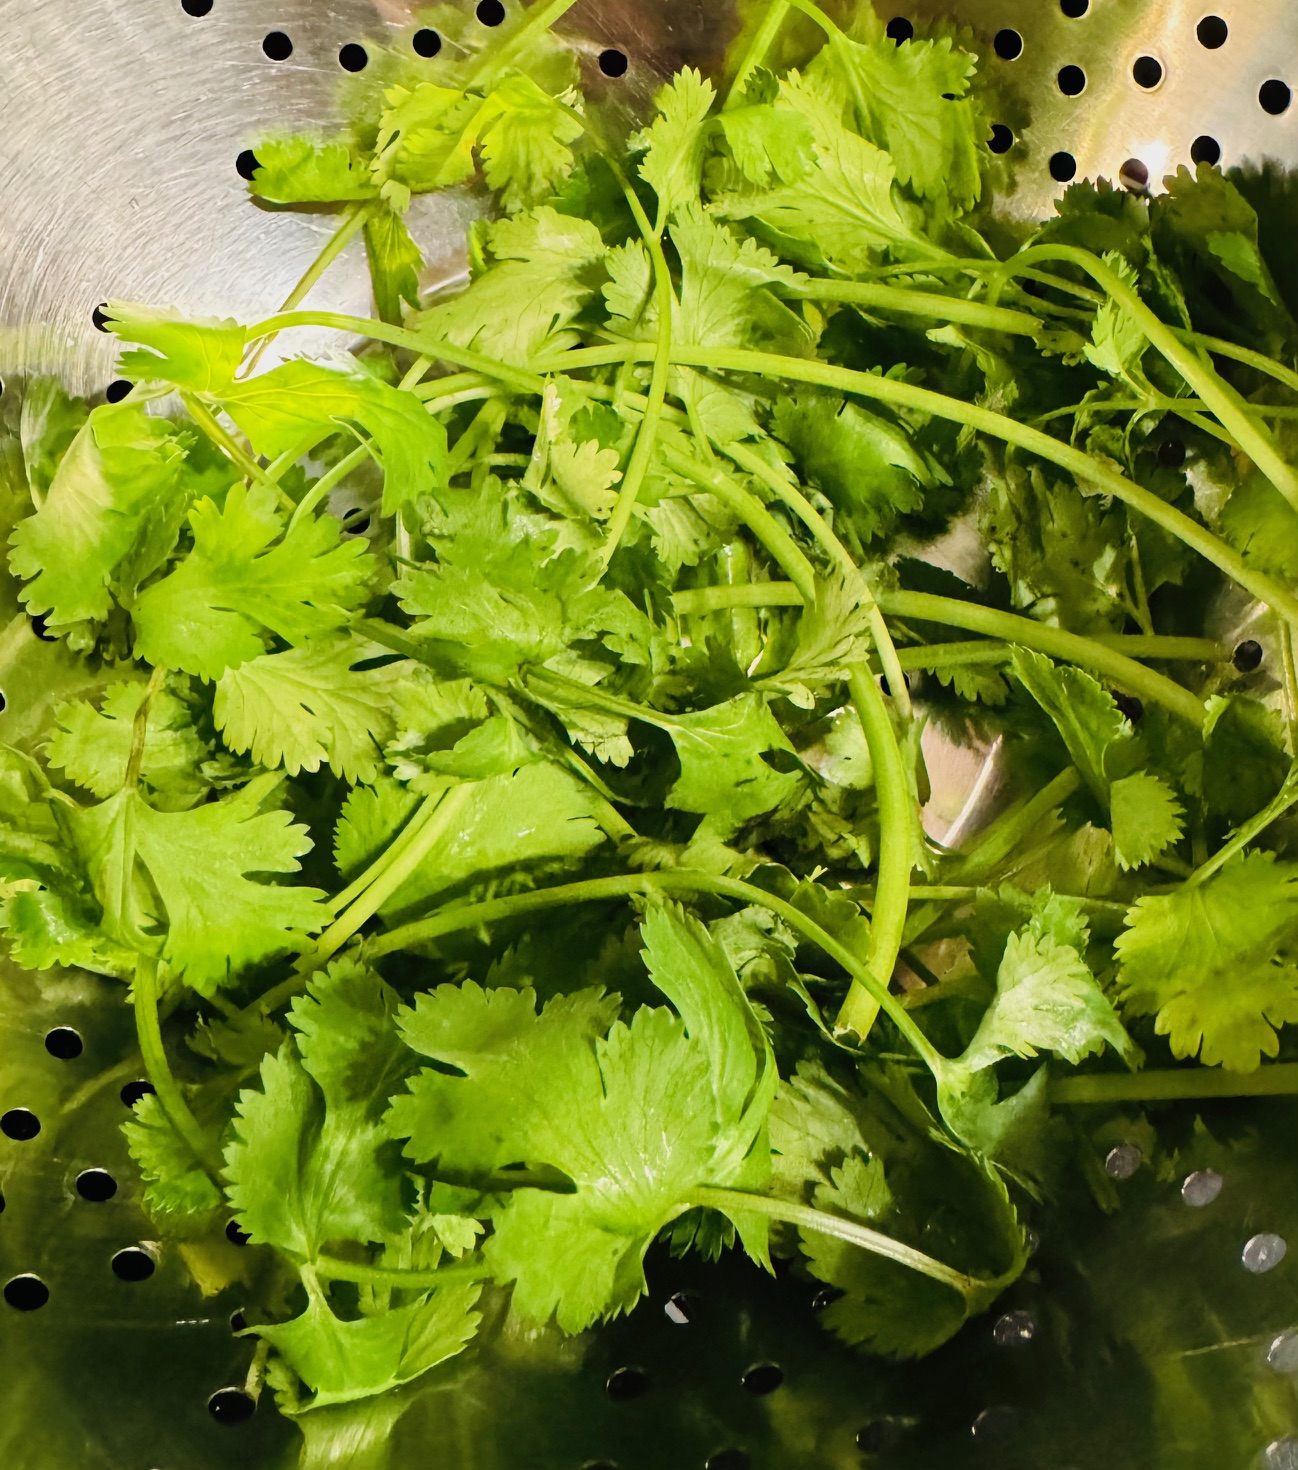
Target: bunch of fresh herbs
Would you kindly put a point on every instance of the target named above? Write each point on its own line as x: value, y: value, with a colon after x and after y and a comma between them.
x: 494, y: 756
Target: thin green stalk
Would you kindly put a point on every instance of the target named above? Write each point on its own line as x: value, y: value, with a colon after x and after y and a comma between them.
x: 400, y: 1277
x: 1220, y: 399
x: 930, y: 304
x: 1057, y: 642
x: 1236, y: 353
x: 647, y: 434
x: 738, y: 1201
x: 460, y: 917
x: 148, y: 1030
x: 227, y: 444
x: 772, y: 22
x: 1290, y: 687
x: 1088, y: 471
x: 1274, y: 1079
x: 425, y: 343
x: 797, y: 502
x: 495, y: 60
x: 1285, y: 798
x: 353, y: 222
x: 140, y: 728
x: 999, y: 840
x: 326, y: 483
x: 390, y: 854
x: 1104, y: 654
x: 896, y: 834
x: 398, y: 867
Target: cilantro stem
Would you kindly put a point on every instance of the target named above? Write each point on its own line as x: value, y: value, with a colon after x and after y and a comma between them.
x: 896, y: 853
x: 140, y: 729
x: 148, y: 1030
x: 401, y: 1277
x: 458, y: 917
x: 435, y: 820
x: 1285, y: 798
x: 772, y: 22
x: 647, y: 434
x: 1220, y: 398
x: 917, y: 303
x: 1086, y: 469
x: 739, y: 1201
x: 540, y: 18
x: 226, y: 442
x: 327, y: 482
x: 998, y: 841
x: 1236, y: 353
x: 798, y: 503
x: 1290, y: 687
x: 353, y: 222
x: 1104, y: 655
x: 1274, y: 1079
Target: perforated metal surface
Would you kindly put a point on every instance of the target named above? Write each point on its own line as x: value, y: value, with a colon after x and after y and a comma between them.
x: 122, y: 123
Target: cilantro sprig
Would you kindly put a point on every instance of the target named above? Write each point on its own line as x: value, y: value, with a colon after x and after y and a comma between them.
x: 497, y: 757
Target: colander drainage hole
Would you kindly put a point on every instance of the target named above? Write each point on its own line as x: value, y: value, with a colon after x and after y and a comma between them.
x: 133, y: 1264
x: 26, y: 1293
x: 353, y: 57
x: 1002, y: 138
x: 1123, y: 1161
x: 118, y: 389
x: 196, y: 8
x: 100, y: 317
x: 1282, y: 1355
x: 427, y: 43
x: 1212, y: 32
x: 1205, y: 149
x: 1275, y: 97
x: 41, y: 628
x: 1171, y: 452
x: 1074, y: 9
x: 64, y: 1043
x: 246, y: 165
x: 20, y: 1124
x: 1264, y: 1253
x: 1063, y: 167
x: 900, y: 29
x: 1204, y: 1185
x: 277, y: 46
x: 238, y: 1322
x: 1248, y: 656
x: 612, y: 62
x: 733, y: 1459
x: 490, y: 12
x: 232, y: 1406
x: 1072, y: 80
x: 763, y: 1378
x: 682, y: 1309
x: 236, y: 1236
x: 132, y: 1092
x: 1008, y: 44
x: 1014, y: 1329
x: 625, y: 1384
x: 1147, y: 71
x: 96, y: 1185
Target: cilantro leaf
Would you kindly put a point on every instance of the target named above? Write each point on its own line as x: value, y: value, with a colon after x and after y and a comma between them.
x: 545, y: 271
x: 341, y: 1361
x: 51, y: 419
x: 189, y: 877
x: 913, y: 101
x: 1083, y: 711
x: 297, y: 169
x: 1146, y: 817
x: 245, y: 577
x: 310, y: 706
x: 637, y: 1149
x: 723, y: 771
x: 1213, y: 962
x: 203, y: 355
x: 93, y: 746
x: 866, y: 465
x: 122, y: 463
x: 675, y: 141
x: 525, y: 154
x: 395, y: 263
x: 177, y: 1192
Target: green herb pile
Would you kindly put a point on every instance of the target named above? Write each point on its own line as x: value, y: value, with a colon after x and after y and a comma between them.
x: 494, y: 755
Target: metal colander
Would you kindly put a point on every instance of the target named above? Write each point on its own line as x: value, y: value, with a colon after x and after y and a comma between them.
x: 1157, y: 1325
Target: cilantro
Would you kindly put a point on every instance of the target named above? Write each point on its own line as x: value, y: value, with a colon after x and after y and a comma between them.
x: 563, y: 623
